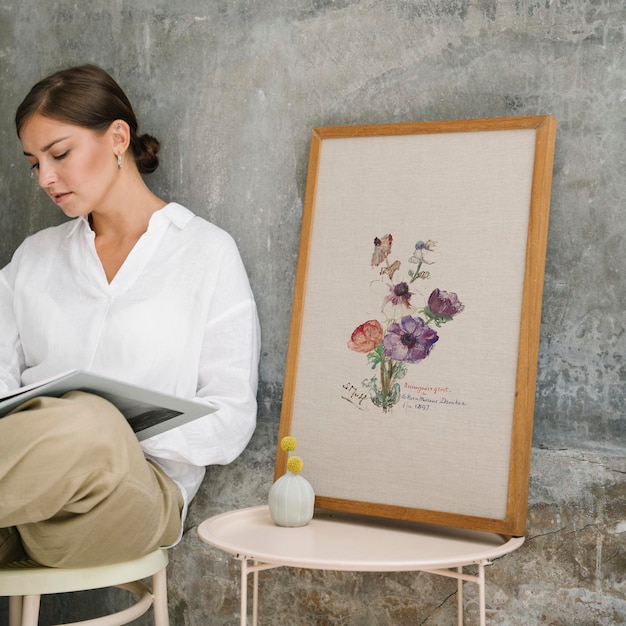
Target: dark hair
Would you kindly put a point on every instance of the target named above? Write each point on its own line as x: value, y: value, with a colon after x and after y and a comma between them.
x: 87, y: 96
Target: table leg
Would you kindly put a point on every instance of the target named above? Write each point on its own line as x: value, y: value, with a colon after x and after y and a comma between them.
x: 255, y: 596
x: 481, y: 593
x: 251, y: 567
x: 478, y: 579
x: 244, y: 594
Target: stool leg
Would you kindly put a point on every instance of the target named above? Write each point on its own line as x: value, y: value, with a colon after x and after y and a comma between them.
x: 159, y: 593
x: 30, y: 611
x: 15, y: 611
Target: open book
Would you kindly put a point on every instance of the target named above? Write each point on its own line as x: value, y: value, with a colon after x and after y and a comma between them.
x: 148, y: 412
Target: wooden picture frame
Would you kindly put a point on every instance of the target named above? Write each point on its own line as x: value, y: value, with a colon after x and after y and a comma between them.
x: 413, y: 349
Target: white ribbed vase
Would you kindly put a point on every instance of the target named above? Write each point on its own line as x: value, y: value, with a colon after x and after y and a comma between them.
x: 291, y: 500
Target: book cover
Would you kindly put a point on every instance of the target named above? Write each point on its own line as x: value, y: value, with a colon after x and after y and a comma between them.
x: 148, y: 412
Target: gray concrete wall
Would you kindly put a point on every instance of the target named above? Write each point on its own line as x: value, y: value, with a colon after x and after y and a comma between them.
x: 233, y: 88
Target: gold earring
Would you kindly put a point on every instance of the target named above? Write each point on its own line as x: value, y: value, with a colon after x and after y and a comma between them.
x: 119, y: 161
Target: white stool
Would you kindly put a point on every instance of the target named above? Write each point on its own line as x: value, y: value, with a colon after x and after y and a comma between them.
x: 24, y: 582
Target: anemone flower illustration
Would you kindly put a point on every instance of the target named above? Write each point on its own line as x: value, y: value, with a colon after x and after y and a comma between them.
x: 443, y: 306
x: 382, y: 249
x: 398, y: 302
x: 366, y: 337
x: 422, y: 251
x: 410, y: 340
x: 406, y: 336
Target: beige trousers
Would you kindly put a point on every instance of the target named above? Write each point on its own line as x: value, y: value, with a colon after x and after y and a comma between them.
x: 76, y: 485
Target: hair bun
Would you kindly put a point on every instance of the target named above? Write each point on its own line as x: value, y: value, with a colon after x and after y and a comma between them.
x: 145, y: 150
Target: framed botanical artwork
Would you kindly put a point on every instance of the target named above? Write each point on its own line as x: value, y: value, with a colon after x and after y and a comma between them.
x: 412, y: 359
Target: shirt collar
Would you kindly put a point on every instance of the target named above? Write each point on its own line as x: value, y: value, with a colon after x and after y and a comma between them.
x: 174, y: 213
x: 171, y: 212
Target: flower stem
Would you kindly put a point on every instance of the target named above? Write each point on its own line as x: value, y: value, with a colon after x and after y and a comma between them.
x: 417, y: 271
x: 384, y: 383
x: 386, y: 379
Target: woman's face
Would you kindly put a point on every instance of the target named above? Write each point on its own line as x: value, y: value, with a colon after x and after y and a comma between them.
x: 75, y: 166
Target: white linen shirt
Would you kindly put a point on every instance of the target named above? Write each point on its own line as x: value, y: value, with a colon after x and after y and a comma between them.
x: 179, y: 317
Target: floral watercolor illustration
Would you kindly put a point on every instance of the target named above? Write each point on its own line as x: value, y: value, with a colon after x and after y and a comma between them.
x: 407, y: 334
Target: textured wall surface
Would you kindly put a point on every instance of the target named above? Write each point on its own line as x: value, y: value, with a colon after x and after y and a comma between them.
x: 233, y: 88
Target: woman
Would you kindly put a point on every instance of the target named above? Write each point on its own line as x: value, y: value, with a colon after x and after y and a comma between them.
x: 133, y: 288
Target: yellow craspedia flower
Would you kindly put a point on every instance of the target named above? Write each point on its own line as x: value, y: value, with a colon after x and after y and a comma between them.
x: 288, y: 444
x: 295, y: 464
